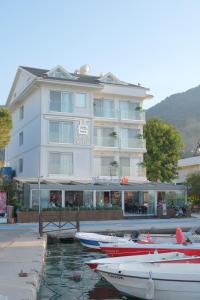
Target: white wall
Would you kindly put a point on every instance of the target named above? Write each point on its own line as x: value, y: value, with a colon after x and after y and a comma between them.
x: 30, y: 126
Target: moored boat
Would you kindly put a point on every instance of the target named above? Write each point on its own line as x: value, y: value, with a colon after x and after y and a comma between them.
x: 132, y: 248
x: 155, y: 281
x: 156, y: 257
x: 93, y: 240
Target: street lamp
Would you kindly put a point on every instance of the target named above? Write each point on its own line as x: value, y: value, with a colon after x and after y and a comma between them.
x: 39, y: 206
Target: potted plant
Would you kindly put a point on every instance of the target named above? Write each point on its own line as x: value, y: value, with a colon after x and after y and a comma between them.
x: 140, y: 136
x: 114, y: 163
x: 113, y: 134
x: 138, y: 108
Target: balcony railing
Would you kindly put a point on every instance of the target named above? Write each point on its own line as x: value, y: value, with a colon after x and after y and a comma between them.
x: 105, y: 141
x: 106, y: 171
x: 107, y: 114
x: 120, y: 115
x: 134, y: 143
x: 132, y: 115
x: 124, y: 171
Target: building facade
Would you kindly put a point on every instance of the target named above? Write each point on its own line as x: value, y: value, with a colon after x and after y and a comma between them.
x: 187, y: 166
x: 74, y: 128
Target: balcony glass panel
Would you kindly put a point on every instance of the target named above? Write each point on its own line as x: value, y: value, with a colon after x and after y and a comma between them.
x: 104, y: 137
x: 103, y: 166
x: 128, y: 111
x: 104, y: 141
x: 130, y: 138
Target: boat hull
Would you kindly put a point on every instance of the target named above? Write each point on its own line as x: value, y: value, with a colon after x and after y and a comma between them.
x: 144, y: 289
x: 150, y: 284
x: 93, y: 240
x: 121, y: 250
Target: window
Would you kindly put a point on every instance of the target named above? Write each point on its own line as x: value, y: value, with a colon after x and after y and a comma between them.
x: 124, y: 166
x: 129, y: 138
x: 60, y: 101
x: 21, y: 112
x: 104, y: 108
x: 21, y: 138
x: 60, y: 163
x: 128, y: 110
x: 105, y: 137
x: 20, y: 165
x: 61, y: 132
x: 80, y: 100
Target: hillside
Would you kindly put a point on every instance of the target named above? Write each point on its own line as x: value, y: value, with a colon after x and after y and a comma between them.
x: 182, y: 110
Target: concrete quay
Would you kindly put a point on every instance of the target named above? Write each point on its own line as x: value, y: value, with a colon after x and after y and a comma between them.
x: 21, y: 263
x: 22, y: 251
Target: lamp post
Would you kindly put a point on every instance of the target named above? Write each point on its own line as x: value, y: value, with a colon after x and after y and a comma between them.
x: 39, y: 206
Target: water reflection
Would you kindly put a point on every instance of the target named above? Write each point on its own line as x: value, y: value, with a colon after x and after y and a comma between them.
x: 63, y: 263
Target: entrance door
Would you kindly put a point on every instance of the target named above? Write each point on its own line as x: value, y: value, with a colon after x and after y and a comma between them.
x: 73, y: 199
x: 131, y: 203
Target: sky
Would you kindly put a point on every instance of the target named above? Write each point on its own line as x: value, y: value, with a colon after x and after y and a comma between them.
x: 152, y: 42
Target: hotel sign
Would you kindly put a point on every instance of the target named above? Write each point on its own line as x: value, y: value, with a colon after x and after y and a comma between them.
x: 83, y: 129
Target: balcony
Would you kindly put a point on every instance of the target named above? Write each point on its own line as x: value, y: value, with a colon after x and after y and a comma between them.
x: 132, y: 115
x: 124, y: 171
x: 105, y: 113
x: 134, y: 143
x: 106, y: 171
x: 105, y: 141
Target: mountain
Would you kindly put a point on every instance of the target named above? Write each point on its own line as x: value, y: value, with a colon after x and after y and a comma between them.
x: 182, y: 111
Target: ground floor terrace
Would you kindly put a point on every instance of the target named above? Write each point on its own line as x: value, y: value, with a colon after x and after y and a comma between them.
x: 133, y: 199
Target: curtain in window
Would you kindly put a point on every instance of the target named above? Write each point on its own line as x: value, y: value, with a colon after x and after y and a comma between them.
x: 55, y: 101
x: 54, y: 163
x: 66, y: 163
x: 61, y: 163
x: 66, y: 102
x: 124, y: 137
x: 67, y: 132
x: 125, y: 166
x: 106, y: 166
x: 127, y: 110
x: 54, y: 132
x: 129, y: 137
x: 108, y: 108
x: 107, y: 139
x: 98, y: 108
x: 124, y: 109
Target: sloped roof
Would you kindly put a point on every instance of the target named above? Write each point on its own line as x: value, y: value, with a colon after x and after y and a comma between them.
x: 80, y: 77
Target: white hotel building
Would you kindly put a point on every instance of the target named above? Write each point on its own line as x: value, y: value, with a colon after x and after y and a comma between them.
x: 79, y: 135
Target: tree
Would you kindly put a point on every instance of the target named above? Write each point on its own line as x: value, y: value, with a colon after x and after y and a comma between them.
x: 193, y: 184
x: 164, y: 148
x: 5, y: 127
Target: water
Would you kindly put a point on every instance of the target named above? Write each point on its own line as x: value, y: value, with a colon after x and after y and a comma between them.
x: 65, y: 260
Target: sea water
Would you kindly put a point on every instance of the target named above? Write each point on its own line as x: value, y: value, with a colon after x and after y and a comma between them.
x: 66, y: 277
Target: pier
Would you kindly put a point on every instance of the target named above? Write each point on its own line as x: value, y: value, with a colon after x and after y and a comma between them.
x: 22, y: 256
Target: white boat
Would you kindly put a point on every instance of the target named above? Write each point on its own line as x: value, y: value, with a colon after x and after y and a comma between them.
x: 156, y: 257
x: 93, y: 240
x: 175, y: 280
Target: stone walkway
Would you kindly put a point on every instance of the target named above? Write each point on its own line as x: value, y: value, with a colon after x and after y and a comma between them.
x: 20, y: 252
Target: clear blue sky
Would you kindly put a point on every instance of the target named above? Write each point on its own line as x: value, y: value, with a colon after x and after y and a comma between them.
x: 154, y: 42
